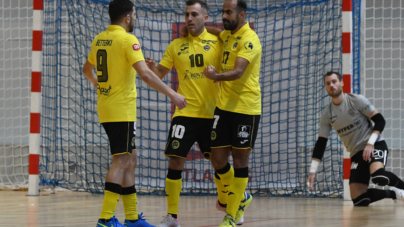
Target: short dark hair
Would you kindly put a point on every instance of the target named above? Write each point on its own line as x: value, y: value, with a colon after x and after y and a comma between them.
x: 241, y: 6
x: 118, y: 9
x: 200, y: 2
x: 330, y: 73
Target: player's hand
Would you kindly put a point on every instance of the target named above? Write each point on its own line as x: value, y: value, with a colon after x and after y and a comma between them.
x: 310, y: 181
x: 210, y: 72
x: 179, y: 101
x: 150, y: 63
x: 95, y: 84
x: 184, y: 32
x: 368, y: 152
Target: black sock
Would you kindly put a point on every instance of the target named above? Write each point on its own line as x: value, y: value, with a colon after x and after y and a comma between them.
x: 372, y: 195
x: 394, y: 180
x: 133, y: 221
x: 173, y: 215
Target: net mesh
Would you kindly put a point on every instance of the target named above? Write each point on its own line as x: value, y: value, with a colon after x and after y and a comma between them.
x: 15, y: 69
x: 383, y: 83
x: 301, y: 40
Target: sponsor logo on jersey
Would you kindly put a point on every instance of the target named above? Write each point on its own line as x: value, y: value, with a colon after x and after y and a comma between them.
x: 184, y: 50
x: 351, y: 112
x: 193, y: 76
x: 243, y: 131
x: 354, y: 165
x: 104, y: 91
x: 333, y: 119
x: 235, y: 45
x: 248, y: 45
x: 349, y: 127
x: 206, y: 48
x: 213, y: 136
x: 104, y: 42
x: 136, y: 47
x: 175, y: 144
x: 238, y: 38
x: 209, y: 41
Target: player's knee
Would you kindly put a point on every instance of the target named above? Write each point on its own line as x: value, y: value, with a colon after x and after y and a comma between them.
x: 380, y: 177
x: 361, y: 201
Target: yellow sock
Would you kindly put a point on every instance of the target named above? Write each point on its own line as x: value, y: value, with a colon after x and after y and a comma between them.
x: 111, y: 199
x: 221, y: 191
x: 235, y: 195
x: 130, y: 206
x: 227, y: 180
x: 173, y: 190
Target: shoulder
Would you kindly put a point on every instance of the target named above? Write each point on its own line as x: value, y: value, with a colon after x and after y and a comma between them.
x: 355, y: 97
x: 327, y: 110
x: 251, y: 36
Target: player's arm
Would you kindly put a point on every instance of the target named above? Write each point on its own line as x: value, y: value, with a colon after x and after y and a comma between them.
x: 88, y: 71
x: 154, y: 82
x: 214, y: 31
x: 159, y: 70
x: 234, y: 74
x: 319, y: 148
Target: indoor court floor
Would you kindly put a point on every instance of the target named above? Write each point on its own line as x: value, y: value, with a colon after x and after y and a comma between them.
x: 82, y: 209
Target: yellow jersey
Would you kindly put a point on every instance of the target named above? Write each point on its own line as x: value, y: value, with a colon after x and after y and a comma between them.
x: 190, y: 56
x: 113, y: 52
x: 242, y: 95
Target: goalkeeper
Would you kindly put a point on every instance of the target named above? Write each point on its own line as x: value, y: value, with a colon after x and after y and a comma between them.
x: 351, y: 115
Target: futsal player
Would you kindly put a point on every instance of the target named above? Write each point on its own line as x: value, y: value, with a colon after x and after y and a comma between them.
x: 189, y: 55
x: 351, y: 115
x: 117, y: 56
x: 238, y: 110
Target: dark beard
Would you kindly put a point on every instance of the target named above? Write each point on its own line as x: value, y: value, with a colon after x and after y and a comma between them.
x: 231, y: 25
x: 336, y: 95
x: 131, y: 26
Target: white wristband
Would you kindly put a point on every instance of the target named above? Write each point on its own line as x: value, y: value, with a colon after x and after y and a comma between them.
x: 373, y: 138
x: 314, y: 166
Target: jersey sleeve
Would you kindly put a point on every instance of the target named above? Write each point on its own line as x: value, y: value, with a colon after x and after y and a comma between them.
x: 325, y: 125
x: 132, y: 50
x: 249, y: 49
x: 363, y: 105
x: 168, y: 60
x: 92, y: 55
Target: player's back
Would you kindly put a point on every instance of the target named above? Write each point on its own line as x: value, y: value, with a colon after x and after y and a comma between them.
x: 113, y: 52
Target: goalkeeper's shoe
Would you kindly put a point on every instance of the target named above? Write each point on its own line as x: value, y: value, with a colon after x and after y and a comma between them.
x: 141, y: 222
x: 399, y: 193
x: 228, y: 221
x: 242, y: 208
x: 169, y: 221
x: 112, y: 223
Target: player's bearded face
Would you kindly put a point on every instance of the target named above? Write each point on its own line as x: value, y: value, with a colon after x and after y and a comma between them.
x: 333, y: 86
x: 230, y: 24
x: 132, y: 20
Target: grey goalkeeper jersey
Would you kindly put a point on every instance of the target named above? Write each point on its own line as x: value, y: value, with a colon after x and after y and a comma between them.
x: 350, y: 120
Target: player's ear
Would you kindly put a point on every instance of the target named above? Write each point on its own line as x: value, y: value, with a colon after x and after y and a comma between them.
x: 127, y: 18
x: 206, y: 17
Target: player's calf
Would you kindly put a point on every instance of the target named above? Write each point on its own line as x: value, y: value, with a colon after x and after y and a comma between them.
x: 382, y: 177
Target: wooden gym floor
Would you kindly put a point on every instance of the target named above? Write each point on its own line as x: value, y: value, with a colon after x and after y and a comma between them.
x: 82, y: 209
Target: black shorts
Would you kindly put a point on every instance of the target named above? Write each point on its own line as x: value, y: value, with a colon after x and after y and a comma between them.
x: 234, y: 129
x: 360, y: 172
x: 121, y: 136
x: 184, y: 132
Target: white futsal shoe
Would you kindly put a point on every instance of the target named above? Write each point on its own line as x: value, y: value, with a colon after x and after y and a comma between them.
x: 399, y: 193
x: 169, y: 221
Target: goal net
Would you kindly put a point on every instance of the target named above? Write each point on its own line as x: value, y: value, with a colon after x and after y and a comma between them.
x: 301, y: 40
